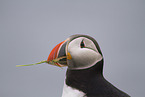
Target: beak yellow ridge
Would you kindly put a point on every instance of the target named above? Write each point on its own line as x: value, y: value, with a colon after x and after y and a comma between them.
x: 69, y: 57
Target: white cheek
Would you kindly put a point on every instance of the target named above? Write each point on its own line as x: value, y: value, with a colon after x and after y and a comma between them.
x: 90, y: 44
x: 84, y: 58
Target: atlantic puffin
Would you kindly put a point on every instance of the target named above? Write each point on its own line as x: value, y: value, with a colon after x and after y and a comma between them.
x: 84, y: 76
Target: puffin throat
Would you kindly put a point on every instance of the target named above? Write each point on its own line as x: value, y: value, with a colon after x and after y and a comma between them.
x: 80, y: 79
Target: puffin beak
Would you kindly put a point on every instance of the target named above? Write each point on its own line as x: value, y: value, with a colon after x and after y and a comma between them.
x: 57, y: 56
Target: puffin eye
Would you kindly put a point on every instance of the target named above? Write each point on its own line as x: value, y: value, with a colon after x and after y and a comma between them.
x: 82, y: 45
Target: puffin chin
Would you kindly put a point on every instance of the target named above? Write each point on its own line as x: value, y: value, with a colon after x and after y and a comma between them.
x: 58, y: 55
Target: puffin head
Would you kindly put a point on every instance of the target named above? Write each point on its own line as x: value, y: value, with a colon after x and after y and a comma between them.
x: 77, y: 52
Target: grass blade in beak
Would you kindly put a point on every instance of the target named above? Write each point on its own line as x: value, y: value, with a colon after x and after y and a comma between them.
x: 52, y: 62
x: 55, y: 61
x: 32, y: 64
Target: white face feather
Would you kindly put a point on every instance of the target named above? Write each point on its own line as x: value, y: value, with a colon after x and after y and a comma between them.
x: 82, y: 57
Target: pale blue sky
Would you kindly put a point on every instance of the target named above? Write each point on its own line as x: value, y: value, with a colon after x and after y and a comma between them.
x: 29, y: 29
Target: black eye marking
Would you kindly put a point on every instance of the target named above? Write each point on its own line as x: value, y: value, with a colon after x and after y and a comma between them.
x: 82, y: 45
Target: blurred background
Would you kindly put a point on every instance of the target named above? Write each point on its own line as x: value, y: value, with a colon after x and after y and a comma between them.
x: 29, y: 29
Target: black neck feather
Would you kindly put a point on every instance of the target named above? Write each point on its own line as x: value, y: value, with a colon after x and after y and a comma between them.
x: 92, y: 82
